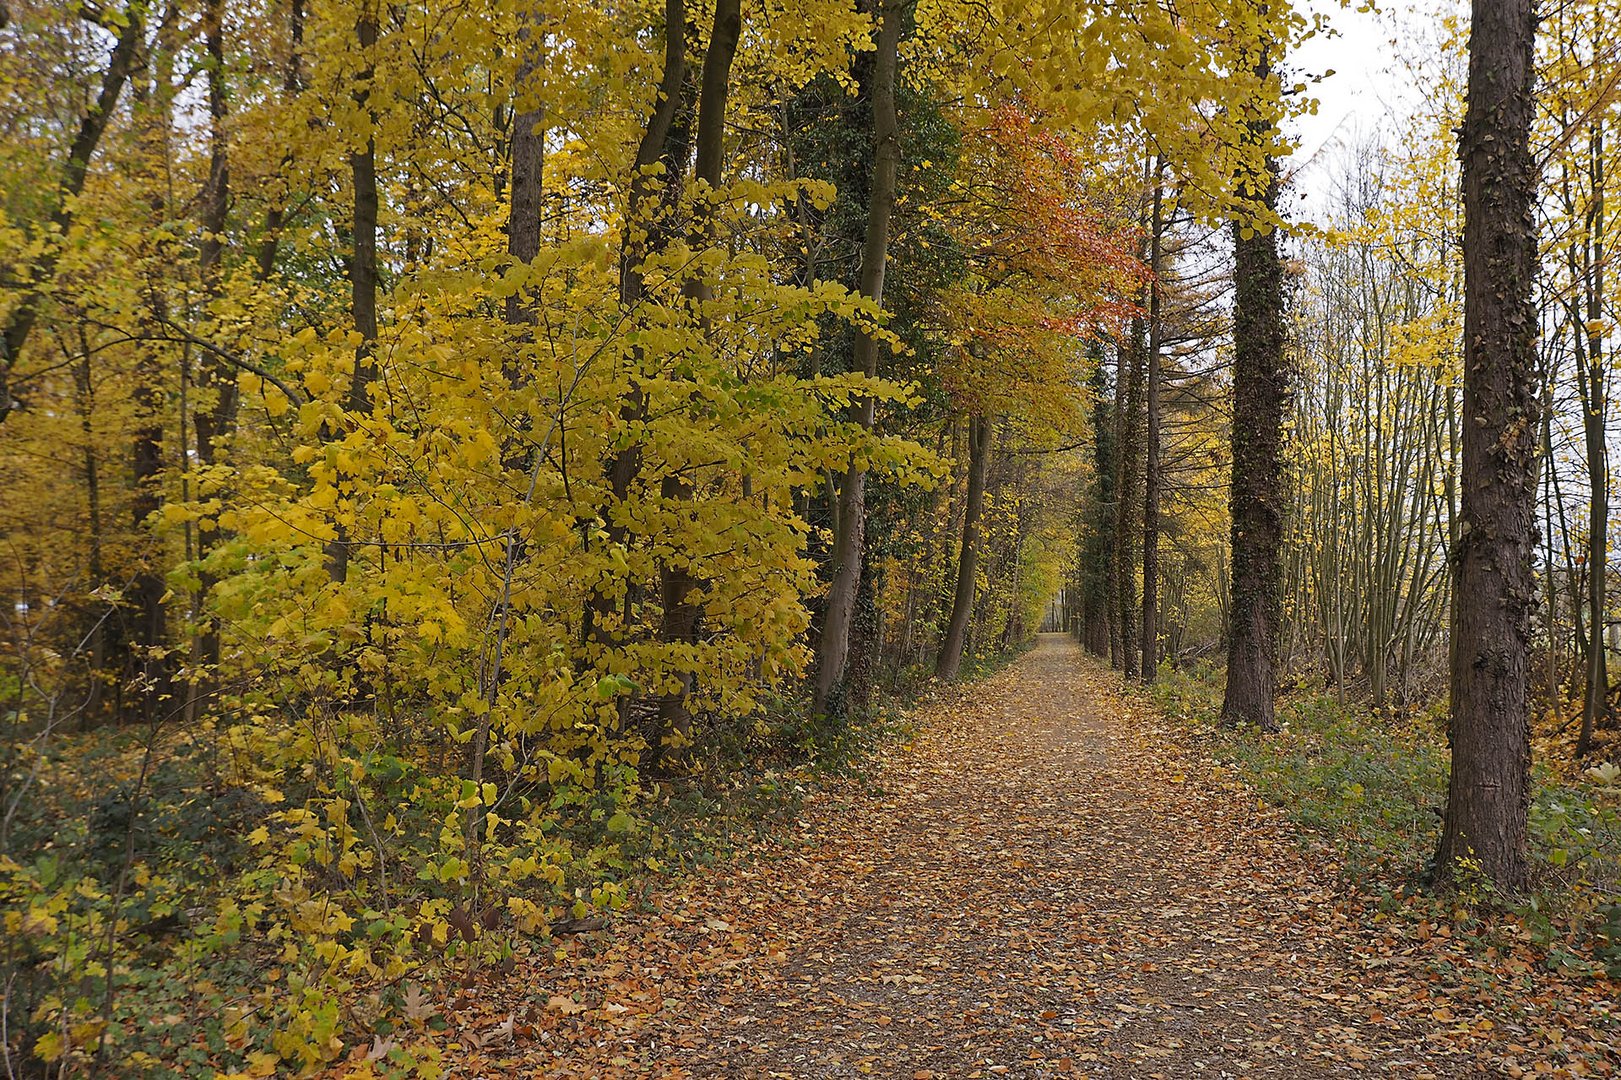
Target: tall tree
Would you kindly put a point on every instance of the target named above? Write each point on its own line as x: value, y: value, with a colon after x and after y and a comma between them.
x: 680, y: 623
x: 1128, y: 399
x: 962, y: 601
x: 1261, y: 387
x: 362, y: 252
x: 1153, y: 480
x: 849, y: 545
x: 1489, y: 791
x: 1096, y: 563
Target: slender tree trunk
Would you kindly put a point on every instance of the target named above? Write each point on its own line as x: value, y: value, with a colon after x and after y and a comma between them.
x: 1152, y: 479
x: 1260, y: 403
x: 1489, y: 791
x: 1596, y: 703
x: 849, y: 549
x: 647, y: 229
x: 38, y: 275
x: 85, y: 401
x: 147, y: 589
x: 292, y: 83
x: 362, y: 264
x: 528, y: 163
x: 1096, y: 565
x: 677, y: 583
x: 949, y: 661
x: 216, y: 407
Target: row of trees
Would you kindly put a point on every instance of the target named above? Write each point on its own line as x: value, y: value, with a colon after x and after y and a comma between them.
x: 1387, y: 545
x: 441, y: 434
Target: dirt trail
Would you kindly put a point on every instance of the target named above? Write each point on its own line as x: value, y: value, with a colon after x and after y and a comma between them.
x: 1036, y: 889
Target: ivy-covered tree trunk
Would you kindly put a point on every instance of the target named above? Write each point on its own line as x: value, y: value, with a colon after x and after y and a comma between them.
x: 849, y: 548
x: 1152, y: 478
x: 1494, y: 590
x: 1128, y: 479
x: 1261, y: 388
x: 1096, y: 562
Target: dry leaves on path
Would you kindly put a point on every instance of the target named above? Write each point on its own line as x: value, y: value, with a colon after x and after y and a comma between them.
x: 1043, y: 884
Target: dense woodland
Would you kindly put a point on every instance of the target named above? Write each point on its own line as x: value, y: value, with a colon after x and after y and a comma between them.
x: 449, y: 446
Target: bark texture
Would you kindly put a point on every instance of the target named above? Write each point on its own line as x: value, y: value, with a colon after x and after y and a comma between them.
x: 1261, y: 388
x: 677, y: 582
x: 1152, y: 480
x: 1489, y: 790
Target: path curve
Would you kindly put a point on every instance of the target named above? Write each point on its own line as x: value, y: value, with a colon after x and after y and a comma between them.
x: 1034, y: 888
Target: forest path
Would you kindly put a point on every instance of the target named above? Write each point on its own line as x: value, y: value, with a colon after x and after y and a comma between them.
x: 1033, y: 888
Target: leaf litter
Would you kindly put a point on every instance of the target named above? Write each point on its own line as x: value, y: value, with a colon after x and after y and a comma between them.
x: 1049, y: 881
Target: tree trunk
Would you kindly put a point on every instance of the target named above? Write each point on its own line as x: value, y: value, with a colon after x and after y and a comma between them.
x: 1596, y: 702
x: 216, y: 409
x: 677, y: 582
x: 1152, y: 479
x: 1260, y: 402
x: 1128, y: 474
x: 647, y: 230
x: 362, y: 266
x: 37, y: 276
x: 849, y: 548
x: 1097, y: 566
x: 1489, y: 790
x: 153, y: 671
x: 949, y: 661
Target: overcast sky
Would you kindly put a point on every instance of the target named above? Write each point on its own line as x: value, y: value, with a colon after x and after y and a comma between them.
x: 1365, y: 96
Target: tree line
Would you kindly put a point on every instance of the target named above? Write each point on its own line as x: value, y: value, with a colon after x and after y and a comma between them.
x: 445, y: 440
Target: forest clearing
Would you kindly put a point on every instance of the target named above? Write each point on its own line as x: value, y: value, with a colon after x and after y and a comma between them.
x: 912, y: 538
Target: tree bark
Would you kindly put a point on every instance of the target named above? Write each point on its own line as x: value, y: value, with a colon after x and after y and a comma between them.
x: 1260, y: 401
x: 153, y: 675
x: 1152, y: 479
x: 1097, y: 590
x: 1489, y: 790
x: 849, y: 549
x: 664, y: 141
x: 216, y: 409
x: 949, y: 662
x: 1128, y: 476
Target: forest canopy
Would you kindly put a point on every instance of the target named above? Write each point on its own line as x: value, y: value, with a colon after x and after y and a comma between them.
x: 450, y: 446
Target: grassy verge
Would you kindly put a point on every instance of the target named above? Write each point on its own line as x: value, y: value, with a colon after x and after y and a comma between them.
x: 1368, y: 789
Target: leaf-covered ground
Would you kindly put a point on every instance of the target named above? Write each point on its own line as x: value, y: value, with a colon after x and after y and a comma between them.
x: 1046, y: 882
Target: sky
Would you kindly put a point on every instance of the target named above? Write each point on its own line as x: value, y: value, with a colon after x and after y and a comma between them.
x: 1365, y: 97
